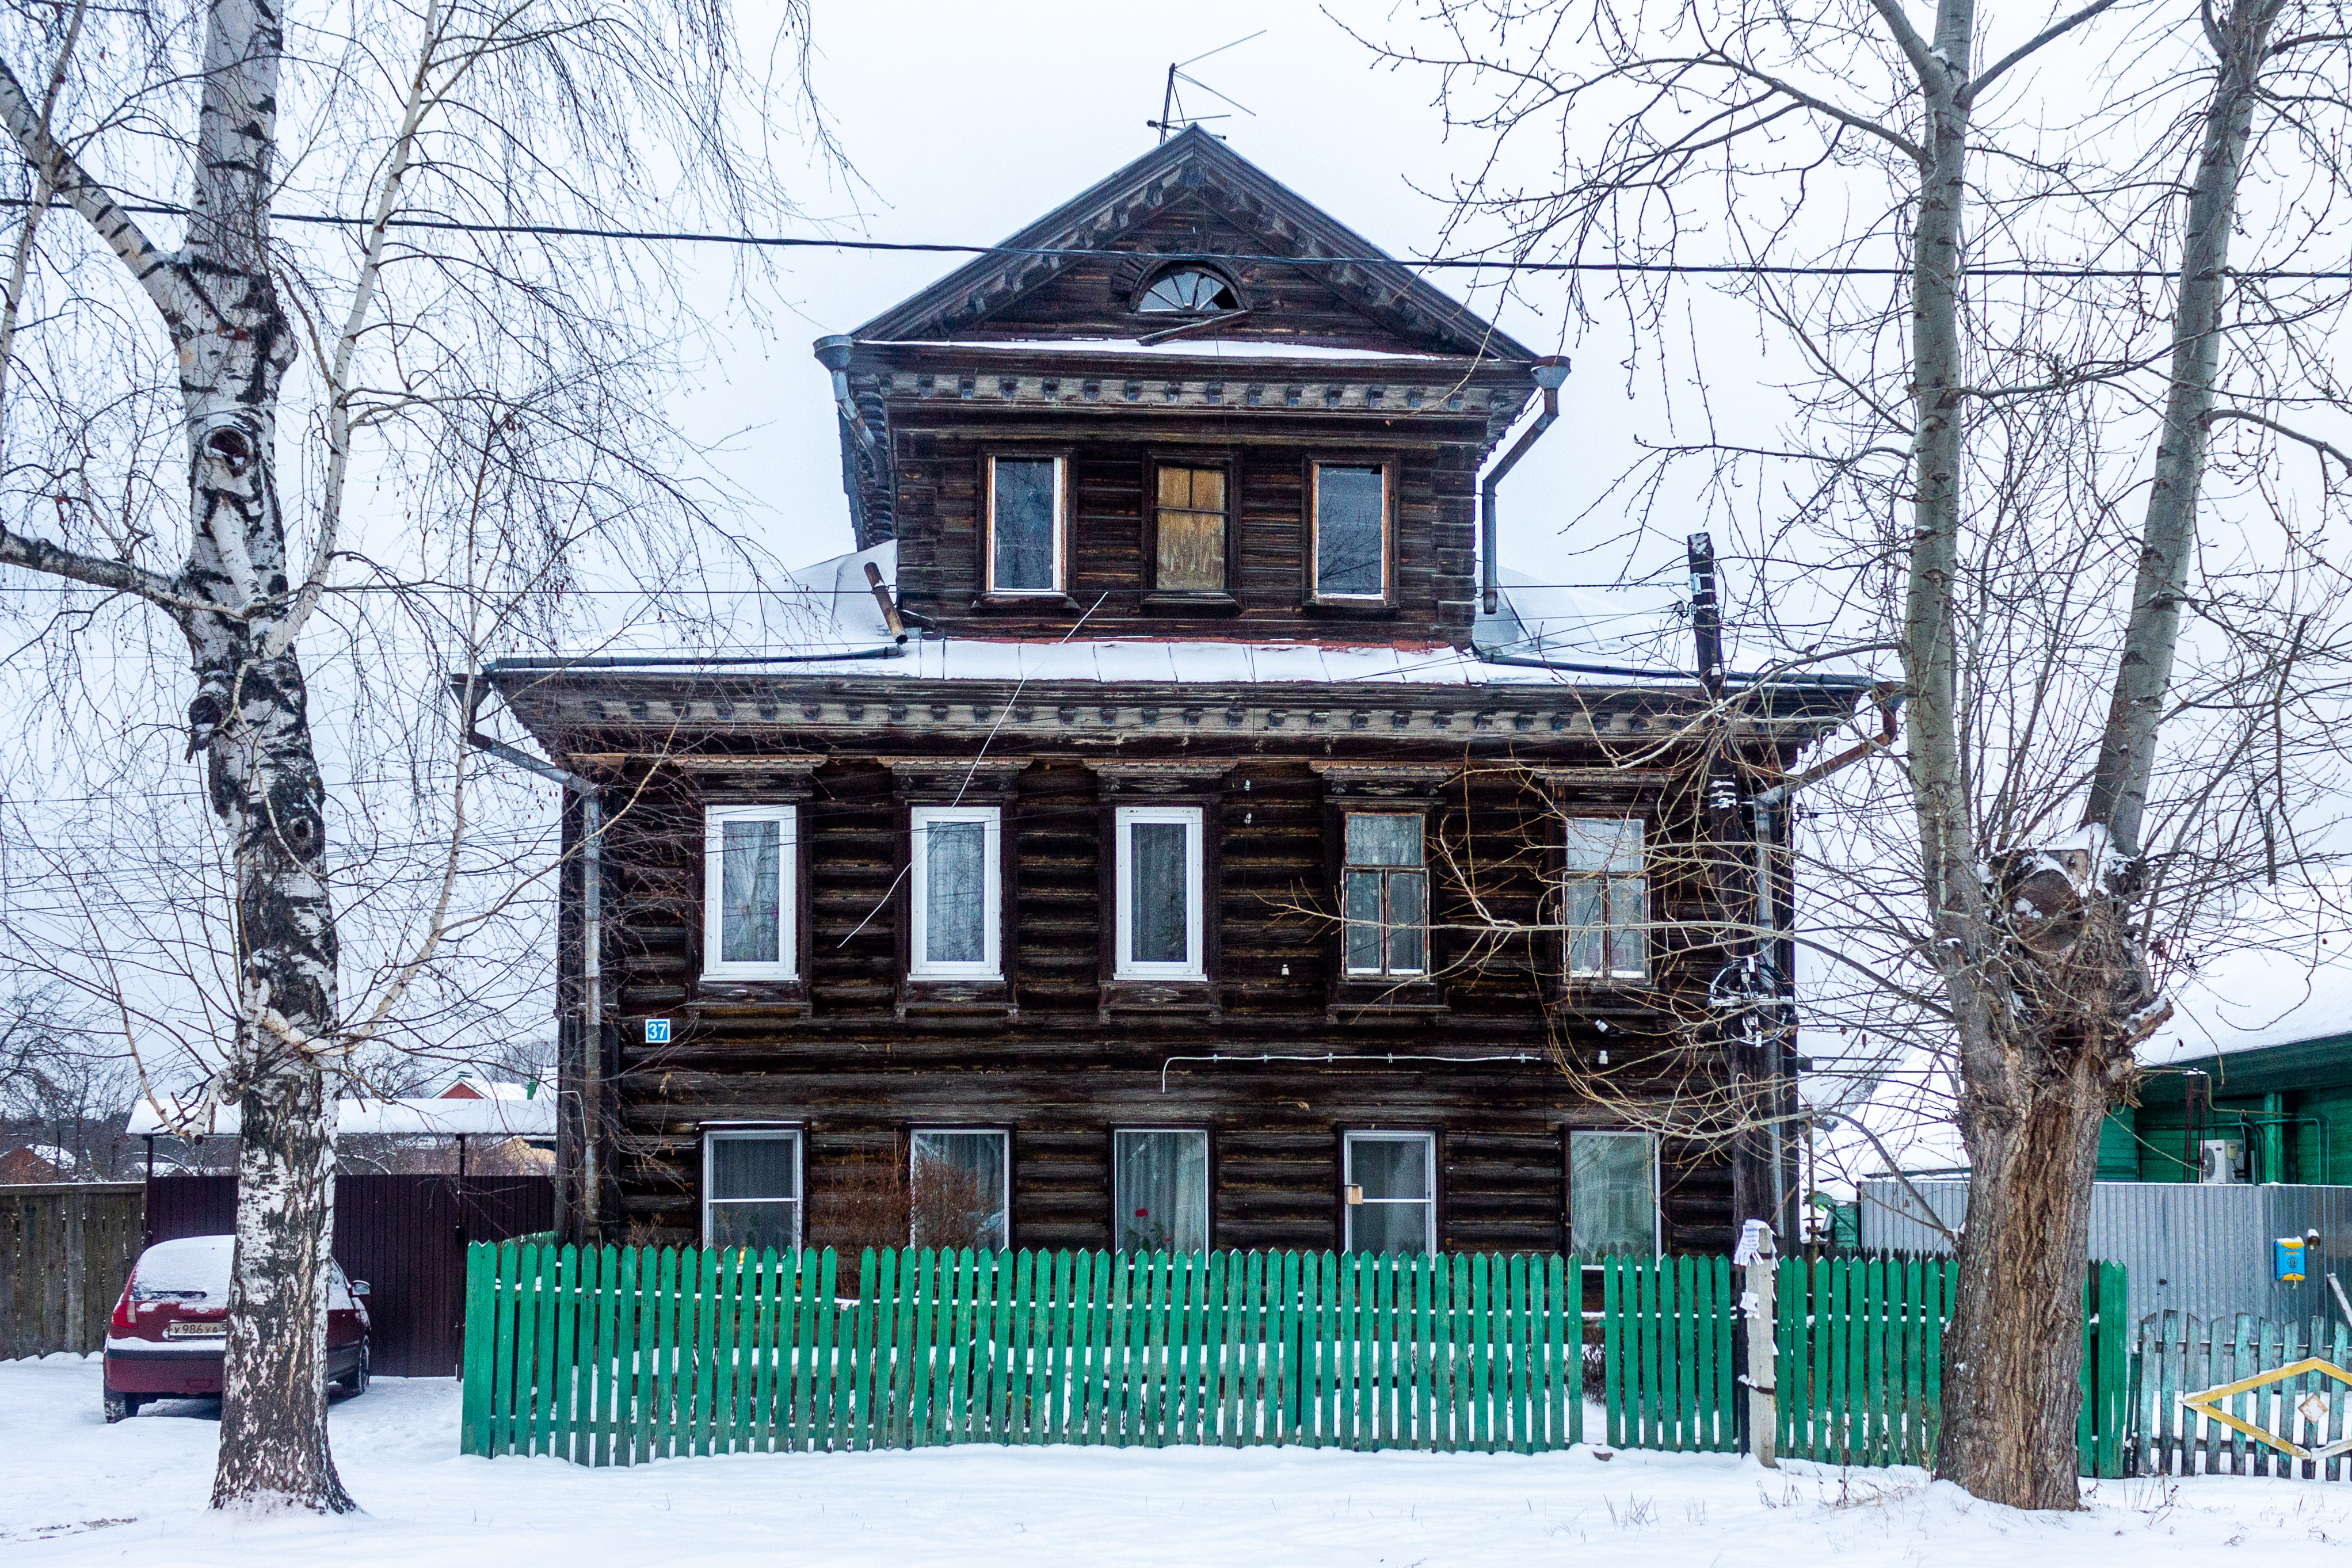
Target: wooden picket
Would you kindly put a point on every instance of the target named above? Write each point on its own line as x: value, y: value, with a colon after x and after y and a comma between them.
x: 2177, y: 1355
x: 618, y: 1355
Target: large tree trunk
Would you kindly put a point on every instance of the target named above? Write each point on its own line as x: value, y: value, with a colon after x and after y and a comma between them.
x: 2057, y: 992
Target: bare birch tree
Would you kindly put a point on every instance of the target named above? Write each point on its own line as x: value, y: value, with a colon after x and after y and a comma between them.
x: 501, y: 392
x: 1951, y: 479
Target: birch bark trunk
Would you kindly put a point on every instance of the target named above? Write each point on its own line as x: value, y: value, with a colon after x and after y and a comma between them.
x: 234, y: 602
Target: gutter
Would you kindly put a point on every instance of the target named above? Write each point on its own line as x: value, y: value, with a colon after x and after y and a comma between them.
x: 592, y: 960
x: 1549, y: 374
x: 558, y: 663
x: 833, y: 353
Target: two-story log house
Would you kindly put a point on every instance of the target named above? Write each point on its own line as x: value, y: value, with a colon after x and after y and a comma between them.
x: 1159, y: 856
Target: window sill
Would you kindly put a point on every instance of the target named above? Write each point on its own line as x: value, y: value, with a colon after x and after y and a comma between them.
x: 1022, y: 603
x: 788, y: 995
x: 1350, y: 610
x: 1170, y: 999
x: 1194, y: 603
x: 1355, y: 998
x: 925, y: 996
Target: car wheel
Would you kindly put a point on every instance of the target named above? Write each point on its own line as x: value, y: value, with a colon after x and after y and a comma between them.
x: 119, y: 1407
x: 358, y: 1380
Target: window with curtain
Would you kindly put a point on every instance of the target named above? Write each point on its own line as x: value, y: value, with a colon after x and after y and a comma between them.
x: 1158, y: 894
x: 748, y: 894
x: 1392, y: 1192
x: 1351, y: 554
x: 957, y: 1191
x: 955, y: 870
x: 1189, y: 523
x: 1024, y: 525
x: 1162, y: 1191
x: 1605, y: 900
x: 1612, y: 1193
x: 1385, y: 893
x: 751, y: 1189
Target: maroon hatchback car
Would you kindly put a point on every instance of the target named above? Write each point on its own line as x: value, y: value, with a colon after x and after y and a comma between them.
x: 169, y: 1327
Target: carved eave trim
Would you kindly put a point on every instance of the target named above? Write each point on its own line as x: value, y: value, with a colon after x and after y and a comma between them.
x: 984, y: 767
x: 1606, y: 777
x: 1116, y: 776
x: 1384, y: 780
x: 984, y: 780
x: 794, y: 763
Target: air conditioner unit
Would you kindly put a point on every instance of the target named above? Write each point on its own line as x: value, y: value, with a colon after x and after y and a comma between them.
x: 2221, y: 1162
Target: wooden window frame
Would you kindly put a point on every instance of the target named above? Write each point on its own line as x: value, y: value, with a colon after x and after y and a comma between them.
x: 916, y: 1130
x: 1433, y: 1139
x: 1313, y: 596
x: 928, y: 782
x: 1193, y: 600
x: 791, y: 913
x: 1209, y: 1140
x: 1396, y: 789
x: 990, y: 596
x: 716, y: 1131
x: 1567, y: 1189
x: 1565, y: 949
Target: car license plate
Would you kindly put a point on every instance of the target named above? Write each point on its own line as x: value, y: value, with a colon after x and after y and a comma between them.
x: 195, y: 1330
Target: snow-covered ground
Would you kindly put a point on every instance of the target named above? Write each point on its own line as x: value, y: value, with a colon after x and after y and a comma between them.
x: 75, y: 1490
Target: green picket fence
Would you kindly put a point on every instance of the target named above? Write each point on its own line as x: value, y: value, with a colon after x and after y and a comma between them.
x: 1666, y: 1329
x: 1859, y: 1360
x: 618, y: 1355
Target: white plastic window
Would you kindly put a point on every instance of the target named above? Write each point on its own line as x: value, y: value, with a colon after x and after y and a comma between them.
x: 1158, y: 918
x: 1392, y: 1192
x: 957, y: 893
x: 1606, y: 900
x: 960, y: 1189
x: 751, y: 910
x: 1024, y: 525
x: 751, y: 1189
x: 1162, y: 1189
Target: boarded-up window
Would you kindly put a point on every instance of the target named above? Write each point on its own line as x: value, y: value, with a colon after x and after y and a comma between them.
x: 1024, y: 525
x: 1351, y: 531
x: 1192, y: 520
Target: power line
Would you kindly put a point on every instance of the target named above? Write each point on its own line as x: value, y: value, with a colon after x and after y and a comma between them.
x: 1655, y: 269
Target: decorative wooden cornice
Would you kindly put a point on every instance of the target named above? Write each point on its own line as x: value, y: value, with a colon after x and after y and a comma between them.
x: 1121, y: 776
x: 1384, y: 780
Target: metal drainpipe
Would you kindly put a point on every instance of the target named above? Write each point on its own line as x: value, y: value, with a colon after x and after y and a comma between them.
x: 591, y: 960
x: 833, y: 353
x: 1548, y: 373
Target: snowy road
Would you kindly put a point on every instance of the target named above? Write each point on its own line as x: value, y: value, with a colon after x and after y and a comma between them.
x: 74, y: 1490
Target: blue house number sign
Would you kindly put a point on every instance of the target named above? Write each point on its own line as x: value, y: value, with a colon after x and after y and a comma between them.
x: 658, y: 1031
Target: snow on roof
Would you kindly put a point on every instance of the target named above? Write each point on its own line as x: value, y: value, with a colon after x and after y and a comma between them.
x: 192, y: 1114
x: 832, y: 607
x: 1184, y: 347
x: 2286, y: 977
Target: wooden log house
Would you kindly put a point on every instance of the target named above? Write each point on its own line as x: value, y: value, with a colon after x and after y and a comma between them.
x: 1095, y: 870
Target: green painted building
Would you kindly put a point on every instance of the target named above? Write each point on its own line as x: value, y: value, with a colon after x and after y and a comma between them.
x: 2291, y: 1105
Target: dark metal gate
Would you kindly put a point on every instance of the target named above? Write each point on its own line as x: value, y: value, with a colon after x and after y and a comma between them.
x: 405, y: 1235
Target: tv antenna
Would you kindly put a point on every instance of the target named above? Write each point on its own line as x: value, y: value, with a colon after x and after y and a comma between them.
x: 1172, y: 116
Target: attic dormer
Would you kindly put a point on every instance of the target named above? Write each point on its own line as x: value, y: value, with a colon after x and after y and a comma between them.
x: 1186, y: 403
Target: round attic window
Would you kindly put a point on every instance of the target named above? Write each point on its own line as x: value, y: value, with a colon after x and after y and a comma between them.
x: 1187, y: 291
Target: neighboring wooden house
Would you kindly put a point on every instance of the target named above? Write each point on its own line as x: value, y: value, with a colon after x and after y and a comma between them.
x: 1024, y: 929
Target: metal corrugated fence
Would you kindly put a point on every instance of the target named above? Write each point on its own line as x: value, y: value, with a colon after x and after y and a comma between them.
x: 2189, y: 1248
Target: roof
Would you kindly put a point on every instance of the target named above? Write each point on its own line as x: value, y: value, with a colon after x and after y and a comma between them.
x: 830, y: 608
x: 1193, y: 162
x: 2280, y: 976
x: 193, y: 1115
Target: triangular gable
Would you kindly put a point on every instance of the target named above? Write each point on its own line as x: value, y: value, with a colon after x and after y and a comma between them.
x: 1193, y: 185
